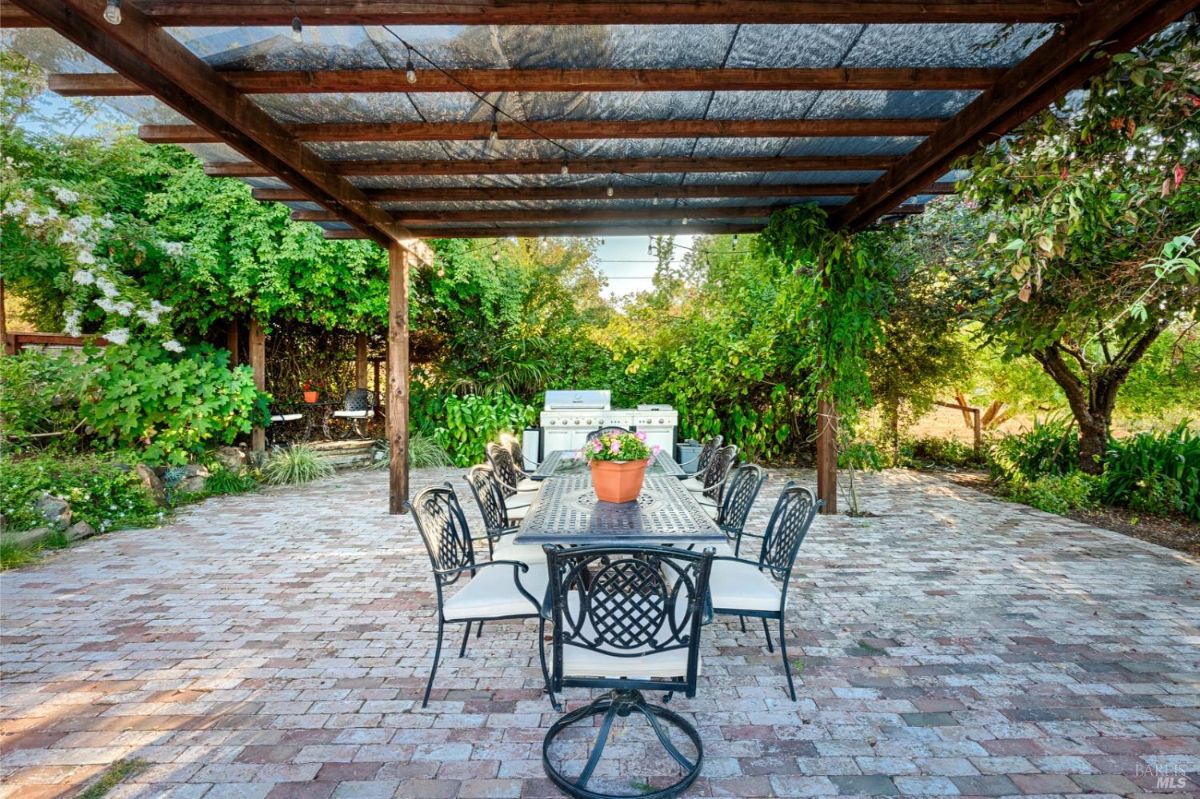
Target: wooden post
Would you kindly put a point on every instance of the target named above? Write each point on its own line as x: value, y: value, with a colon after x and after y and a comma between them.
x: 3, y: 323
x: 233, y: 343
x: 258, y: 363
x: 360, y: 361
x: 397, y: 377
x: 827, y: 423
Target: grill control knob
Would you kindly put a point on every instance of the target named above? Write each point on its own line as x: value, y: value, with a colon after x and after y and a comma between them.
x: 589, y: 421
x: 660, y: 421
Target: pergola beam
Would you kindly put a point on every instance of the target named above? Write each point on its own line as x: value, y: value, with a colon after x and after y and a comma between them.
x: 488, y: 194
x: 591, y: 166
x: 184, y: 13
x: 562, y: 80
x: 566, y: 129
x: 144, y: 53
x: 565, y: 231
x: 1065, y: 61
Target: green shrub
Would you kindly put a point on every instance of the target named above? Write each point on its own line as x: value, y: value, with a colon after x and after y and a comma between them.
x: 12, y: 556
x: 226, y: 481
x: 473, y: 421
x: 1155, y: 472
x: 106, y: 495
x: 423, y: 452
x: 169, y: 407
x: 296, y: 464
x: 39, y: 401
x: 1058, y: 493
x: 933, y: 451
x: 1050, y: 447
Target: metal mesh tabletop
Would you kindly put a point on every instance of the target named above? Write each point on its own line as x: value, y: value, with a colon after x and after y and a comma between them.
x: 566, y: 512
x: 562, y: 463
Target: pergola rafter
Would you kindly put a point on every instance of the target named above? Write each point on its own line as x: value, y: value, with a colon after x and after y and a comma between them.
x: 367, y: 145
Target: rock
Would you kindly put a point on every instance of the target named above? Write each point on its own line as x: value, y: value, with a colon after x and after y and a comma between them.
x: 55, y: 510
x: 191, y: 485
x: 80, y: 530
x: 231, y: 458
x: 195, y: 470
x: 26, y: 537
x: 152, y: 483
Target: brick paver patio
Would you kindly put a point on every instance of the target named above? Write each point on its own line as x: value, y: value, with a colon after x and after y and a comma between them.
x: 275, y: 645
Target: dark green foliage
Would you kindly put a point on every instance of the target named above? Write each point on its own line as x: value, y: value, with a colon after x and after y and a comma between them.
x: 1048, y: 448
x: 226, y: 481
x: 471, y: 422
x: 931, y: 451
x: 1057, y: 493
x: 1156, y: 472
x: 106, y: 495
x: 39, y: 401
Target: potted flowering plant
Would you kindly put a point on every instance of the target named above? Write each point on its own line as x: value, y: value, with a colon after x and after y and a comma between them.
x: 618, y: 464
x: 311, y: 391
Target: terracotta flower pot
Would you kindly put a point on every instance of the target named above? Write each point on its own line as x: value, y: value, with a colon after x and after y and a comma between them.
x: 618, y: 481
x: 311, y: 396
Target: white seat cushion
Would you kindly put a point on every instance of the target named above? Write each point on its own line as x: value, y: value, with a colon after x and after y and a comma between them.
x: 492, y: 594
x: 354, y: 414
x: 287, y: 417
x: 528, y: 485
x: 517, y: 514
x: 741, y: 586
x: 518, y: 501
x: 526, y: 553
x: 692, y: 484
x: 712, y: 510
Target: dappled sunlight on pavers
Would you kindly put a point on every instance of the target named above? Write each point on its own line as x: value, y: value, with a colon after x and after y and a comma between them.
x: 277, y: 645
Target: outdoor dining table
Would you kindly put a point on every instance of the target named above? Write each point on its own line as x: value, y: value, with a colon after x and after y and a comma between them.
x: 565, y: 511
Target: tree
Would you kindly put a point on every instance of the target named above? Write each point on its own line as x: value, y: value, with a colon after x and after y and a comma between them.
x: 1097, y: 208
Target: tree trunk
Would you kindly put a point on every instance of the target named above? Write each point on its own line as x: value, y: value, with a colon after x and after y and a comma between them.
x: 1093, y: 441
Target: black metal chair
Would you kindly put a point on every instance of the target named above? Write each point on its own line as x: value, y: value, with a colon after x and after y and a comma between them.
x: 518, y: 455
x: 696, y: 481
x: 518, y: 490
x: 490, y: 592
x: 358, y: 408
x: 744, y: 486
x: 742, y: 586
x: 627, y: 619
x: 500, y: 522
x: 716, y: 476
x: 603, y: 431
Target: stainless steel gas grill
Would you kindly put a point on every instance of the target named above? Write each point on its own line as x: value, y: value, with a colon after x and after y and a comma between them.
x: 568, y: 416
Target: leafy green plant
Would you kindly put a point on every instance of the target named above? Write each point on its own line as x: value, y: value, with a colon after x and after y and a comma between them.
x: 472, y: 421
x: 170, y: 407
x: 934, y: 451
x: 39, y: 403
x: 296, y: 464
x: 1047, y: 448
x: 1058, y: 493
x: 1155, y: 472
x: 106, y: 495
x: 227, y: 481
x: 618, y: 447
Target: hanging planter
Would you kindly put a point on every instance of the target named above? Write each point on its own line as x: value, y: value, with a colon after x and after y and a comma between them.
x: 618, y: 464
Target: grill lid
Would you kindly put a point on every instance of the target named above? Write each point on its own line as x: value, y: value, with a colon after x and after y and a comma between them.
x: 595, y: 399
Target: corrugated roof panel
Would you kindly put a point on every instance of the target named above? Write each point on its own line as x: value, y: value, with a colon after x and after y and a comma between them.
x: 946, y: 45
x: 851, y: 145
x: 886, y: 104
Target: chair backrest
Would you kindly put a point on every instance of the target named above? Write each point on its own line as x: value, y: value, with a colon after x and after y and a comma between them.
x: 603, y: 431
x: 358, y: 399
x: 518, y: 454
x: 793, y: 515
x: 490, y: 498
x: 739, y: 499
x: 443, y: 527
x: 706, y: 453
x: 504, y: 468
x: 722, y: 462
x: 628, y: 602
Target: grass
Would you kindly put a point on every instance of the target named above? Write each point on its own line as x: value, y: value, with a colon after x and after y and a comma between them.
x: 294, y: 465
x: 222, y: 481
x: 13, y: 556
x: 113, y: 776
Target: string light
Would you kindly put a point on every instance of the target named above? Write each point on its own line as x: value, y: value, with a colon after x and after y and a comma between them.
x: 410, y: 72
x: 565, y: 170
x: 685, y: 221
x: 655, y: 200
x: 297, y: 30
x: 112, y: 12
x: 494, y: 134
x: 608, y: 192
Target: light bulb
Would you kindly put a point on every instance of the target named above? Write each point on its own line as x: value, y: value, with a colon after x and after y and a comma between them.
x: 410, y: 72
x: 735, y: 241
x: 112, y: 12
x: 297, y: 30
x: 493, y: 135
x: 655, y: 200
x: 566, y: 170
x: 685, y: 220
x: 608, y: 192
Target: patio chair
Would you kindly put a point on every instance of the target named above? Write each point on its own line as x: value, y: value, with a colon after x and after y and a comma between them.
x: 626, y: 619
x: 499, y: 522
x: 743, y: 587
x: 358, y: 406
x: 512, y: 479
x: 486, y: 591
x: 715, y: 478
x: 744, y: 486
x: 603, y: 431
x: 696, y: 481
x: 518, y: 455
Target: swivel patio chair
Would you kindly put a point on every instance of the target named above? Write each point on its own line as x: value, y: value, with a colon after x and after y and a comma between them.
x: 696, y: 481
x: 489, y: 592
x: 358, y: 408
x: 743, y: 587
x: 716, y: 476
x: 500, y: 522
x: 626, y: 619
x: 603, y: 431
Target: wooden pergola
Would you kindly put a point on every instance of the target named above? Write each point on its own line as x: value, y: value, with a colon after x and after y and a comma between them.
x: 403, y: 121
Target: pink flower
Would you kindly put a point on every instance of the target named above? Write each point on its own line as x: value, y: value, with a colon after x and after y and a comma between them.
x: 596, y: 445
x: 656, y: 449
x: 640, y: 435
x: 615, y: 446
